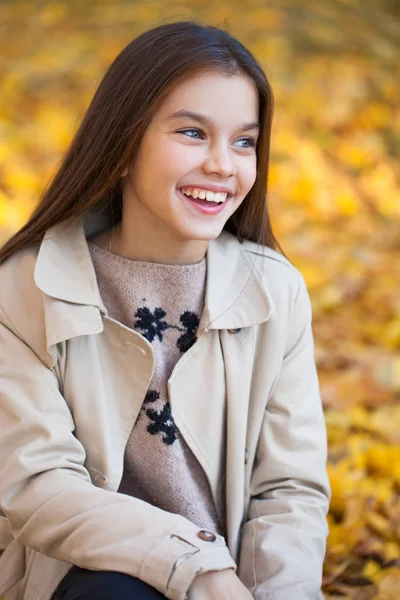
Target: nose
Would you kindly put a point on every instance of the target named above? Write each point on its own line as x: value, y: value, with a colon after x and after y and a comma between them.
x: 219, y: 160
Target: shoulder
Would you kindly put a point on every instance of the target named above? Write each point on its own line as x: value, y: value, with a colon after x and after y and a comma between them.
x: 17, y: 273
x: 268, y: 253
x: 21, y: 301
x: 275, y: 271
x: 282, y: 281
x: 283, y: 284
x: 287, y: 290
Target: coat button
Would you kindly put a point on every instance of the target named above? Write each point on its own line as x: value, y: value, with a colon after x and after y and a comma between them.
x: 207, y: 536
x: 234, y: 330
x: 246, y: 456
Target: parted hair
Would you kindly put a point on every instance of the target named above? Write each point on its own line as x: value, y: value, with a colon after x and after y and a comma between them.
x: 109, y: 135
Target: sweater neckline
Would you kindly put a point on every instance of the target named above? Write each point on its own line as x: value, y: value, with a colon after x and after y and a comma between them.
x: 132, y: 261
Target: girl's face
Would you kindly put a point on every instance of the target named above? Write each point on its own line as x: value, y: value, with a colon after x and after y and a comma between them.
x: 212, y: 148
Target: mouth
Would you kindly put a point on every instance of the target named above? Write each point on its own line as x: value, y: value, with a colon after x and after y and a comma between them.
x: 204, y: 206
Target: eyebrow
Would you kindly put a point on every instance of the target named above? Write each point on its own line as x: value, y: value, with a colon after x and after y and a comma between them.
x: 187, y: 114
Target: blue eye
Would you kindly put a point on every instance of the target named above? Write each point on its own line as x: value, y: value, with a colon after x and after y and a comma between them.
x: 191, y: 129
x: 251, y: 141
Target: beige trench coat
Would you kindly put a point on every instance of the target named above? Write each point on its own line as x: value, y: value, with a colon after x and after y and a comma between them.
x: 72, y: 383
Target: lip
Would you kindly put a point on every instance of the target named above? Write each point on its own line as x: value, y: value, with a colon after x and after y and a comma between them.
x: 213, y: 209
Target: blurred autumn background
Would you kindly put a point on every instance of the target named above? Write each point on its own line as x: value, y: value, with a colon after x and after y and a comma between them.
x: 334, y: 198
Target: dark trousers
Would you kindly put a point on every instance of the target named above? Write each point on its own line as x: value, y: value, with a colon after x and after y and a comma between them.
x: 81, y: 584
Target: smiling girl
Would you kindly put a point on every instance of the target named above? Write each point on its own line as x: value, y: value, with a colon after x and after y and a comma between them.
x: 161, y: 427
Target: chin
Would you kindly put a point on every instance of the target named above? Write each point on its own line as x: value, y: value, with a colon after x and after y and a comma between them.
x: 205, y: 235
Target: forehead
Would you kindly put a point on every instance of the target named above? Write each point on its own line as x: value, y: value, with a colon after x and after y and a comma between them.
x: 215, y: 94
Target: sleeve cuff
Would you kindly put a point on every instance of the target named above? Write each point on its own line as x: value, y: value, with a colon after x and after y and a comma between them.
x: 192, y: 556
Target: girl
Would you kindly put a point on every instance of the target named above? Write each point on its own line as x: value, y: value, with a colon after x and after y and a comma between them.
x: 161, y: 428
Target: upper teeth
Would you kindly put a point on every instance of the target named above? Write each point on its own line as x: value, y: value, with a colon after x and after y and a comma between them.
x: 205, y: 194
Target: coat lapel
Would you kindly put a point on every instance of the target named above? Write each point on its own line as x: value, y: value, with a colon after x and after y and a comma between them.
x: 65, y: 274
x: 197, y: 393
x: 235, y: 295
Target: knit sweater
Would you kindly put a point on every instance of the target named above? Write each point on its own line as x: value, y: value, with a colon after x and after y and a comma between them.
x: 163, y: 303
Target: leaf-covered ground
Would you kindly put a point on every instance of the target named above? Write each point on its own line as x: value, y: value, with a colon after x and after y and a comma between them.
x: 334, y: 198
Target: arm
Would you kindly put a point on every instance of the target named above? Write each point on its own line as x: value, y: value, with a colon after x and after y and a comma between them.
x: 51, y: 505
x: 284, y: 540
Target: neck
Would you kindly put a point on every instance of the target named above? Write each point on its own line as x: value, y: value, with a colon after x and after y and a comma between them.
x: 158, y: 249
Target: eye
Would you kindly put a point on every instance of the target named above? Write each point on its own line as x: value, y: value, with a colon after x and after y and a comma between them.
x: 252, y: 142
x: 191, y: 129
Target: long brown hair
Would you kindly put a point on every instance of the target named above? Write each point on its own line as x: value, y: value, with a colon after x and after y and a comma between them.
x: 131, y: 91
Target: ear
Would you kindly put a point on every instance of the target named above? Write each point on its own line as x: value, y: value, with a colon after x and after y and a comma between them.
x: 125, y: 172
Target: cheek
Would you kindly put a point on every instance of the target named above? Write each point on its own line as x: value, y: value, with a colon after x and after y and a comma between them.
x: 182, y: 152
x: 172, y: 160
x: 249, y: 174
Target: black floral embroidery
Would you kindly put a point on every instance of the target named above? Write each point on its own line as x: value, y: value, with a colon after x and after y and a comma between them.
x: 190, y: 322
x: 151, y: 396
x: 151, y: 323
x: 162, y: 423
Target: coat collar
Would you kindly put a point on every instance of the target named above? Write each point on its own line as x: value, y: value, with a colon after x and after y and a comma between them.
x: 235, y: 295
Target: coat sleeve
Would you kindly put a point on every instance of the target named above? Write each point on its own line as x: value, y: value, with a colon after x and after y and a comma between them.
x: 284, y: 539
x: 53, y: 507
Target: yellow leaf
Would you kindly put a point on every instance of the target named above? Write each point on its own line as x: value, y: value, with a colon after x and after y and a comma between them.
x: 392, y: 550
x: 391, y: 334
x: 347, y: 202
x: 57, y: 126
x: 382, y: 458
x: 379, y: 524
x: 19, y: 177
x: 375, y: 115
x: 13, y: 213
x: 371, y: 569
x: 330, y: 298
x: 361, y: 150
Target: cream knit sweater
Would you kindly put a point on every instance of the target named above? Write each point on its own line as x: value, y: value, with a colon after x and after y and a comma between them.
x: 164, y: 303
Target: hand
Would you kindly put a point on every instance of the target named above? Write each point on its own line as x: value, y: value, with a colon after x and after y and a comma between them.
x: 218, y: 585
